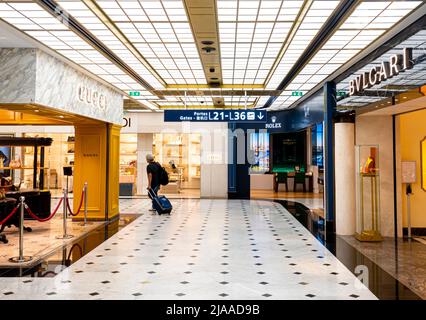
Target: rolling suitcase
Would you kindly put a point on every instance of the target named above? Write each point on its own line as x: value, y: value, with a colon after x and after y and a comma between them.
x: 161, y: 204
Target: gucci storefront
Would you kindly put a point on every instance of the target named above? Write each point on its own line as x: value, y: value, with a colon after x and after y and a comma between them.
x: 59, y: 129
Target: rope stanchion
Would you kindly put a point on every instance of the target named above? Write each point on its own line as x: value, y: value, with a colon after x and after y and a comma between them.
x: 21, y: 257
x: 28, y: 209
x: 64, y: 217
x: 10, y: 214
x: 85, y: 206
x: 79, y: 206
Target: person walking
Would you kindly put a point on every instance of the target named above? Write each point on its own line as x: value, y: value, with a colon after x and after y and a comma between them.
x: 153, y: 170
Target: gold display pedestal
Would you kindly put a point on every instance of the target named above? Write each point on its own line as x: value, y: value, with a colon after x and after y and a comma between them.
x: 369, y: 236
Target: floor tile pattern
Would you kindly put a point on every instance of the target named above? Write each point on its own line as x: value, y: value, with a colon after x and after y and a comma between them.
x: 207, y: 249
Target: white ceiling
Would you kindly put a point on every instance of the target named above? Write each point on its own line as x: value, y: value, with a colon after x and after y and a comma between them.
x: 10, y: 38
x: 409, y: 106
x: 260, y: 41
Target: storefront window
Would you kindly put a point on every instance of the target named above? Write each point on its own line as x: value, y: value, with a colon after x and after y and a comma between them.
x: 60, y: 154
x: 128, y: 160
x: 180, y: 154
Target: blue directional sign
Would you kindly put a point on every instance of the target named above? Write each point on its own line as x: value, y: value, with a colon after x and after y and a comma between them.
x: 215, y: 115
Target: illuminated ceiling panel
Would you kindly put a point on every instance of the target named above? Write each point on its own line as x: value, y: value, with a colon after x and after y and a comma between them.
x: 36, y: 22
x: 160, y: 31
x: 40, y: 25
x: 251, y: 36
x: 309, y: 27
x: 91, y: 22
x: 367, y: 23
x: 260, y: 42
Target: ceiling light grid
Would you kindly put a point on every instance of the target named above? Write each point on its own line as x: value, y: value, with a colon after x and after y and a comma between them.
x: 309, y: 27
x: 251, y: 34
x: 365, y: 24
x: 91, y: 22
x: 161, y: 32
x: 58, y: 37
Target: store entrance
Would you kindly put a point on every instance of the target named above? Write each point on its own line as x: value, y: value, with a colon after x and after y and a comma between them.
x: 288, y: 166
x: 412, y: 178
x: 178, y: 153
x: 77, y: 154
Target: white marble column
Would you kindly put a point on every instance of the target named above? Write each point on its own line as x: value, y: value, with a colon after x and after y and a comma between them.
x: 344, y: 167
x: 144, y: 147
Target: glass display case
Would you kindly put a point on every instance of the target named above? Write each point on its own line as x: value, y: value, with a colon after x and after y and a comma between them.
x: 368, y: 193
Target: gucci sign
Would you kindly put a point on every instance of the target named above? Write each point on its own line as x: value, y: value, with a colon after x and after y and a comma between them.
x: 397, y: 63
x: 91, y: 97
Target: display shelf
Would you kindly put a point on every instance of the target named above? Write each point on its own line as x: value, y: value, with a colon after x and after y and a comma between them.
x: 23, y: 168
x: 128, y: 160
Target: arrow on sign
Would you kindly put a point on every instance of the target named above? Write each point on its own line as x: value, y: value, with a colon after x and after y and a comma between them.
x: 260, y: 116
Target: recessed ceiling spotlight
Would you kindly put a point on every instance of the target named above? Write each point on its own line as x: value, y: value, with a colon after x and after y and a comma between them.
x: 207, y: 42
x: 61, y: 117
x: 36, y: 110
x: 208, y: 49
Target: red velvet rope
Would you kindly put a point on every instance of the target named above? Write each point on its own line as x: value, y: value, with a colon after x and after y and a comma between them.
x: 79, y: 207
x: 10, y: 214
x: 45, y: 219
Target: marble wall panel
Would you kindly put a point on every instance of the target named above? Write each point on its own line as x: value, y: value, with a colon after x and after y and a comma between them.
x: 17, y: 75
x: 32, y: 76
x: 58, y: 85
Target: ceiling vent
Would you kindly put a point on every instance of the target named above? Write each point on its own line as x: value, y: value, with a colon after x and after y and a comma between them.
x: 202, y: 16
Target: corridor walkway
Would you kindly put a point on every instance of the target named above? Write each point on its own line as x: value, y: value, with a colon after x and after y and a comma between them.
x: 207, y: 249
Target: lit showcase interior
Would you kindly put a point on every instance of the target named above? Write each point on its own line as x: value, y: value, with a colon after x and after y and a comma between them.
x: 180, y: 154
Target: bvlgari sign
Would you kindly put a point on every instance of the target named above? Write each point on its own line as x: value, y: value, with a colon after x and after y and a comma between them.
x: 91, y: 97
x: 397, y: 63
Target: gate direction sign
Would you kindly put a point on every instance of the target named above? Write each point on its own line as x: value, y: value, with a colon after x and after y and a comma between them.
x: 205, y: 115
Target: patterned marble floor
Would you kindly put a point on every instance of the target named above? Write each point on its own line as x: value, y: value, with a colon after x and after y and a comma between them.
x: 207, y: 249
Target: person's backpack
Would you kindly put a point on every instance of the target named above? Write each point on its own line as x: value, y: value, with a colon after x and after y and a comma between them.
x: 164, y: 176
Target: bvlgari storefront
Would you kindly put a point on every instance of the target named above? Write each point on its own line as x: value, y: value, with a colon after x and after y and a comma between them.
x: 386, y: 142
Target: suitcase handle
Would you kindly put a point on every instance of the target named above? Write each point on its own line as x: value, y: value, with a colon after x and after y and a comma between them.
x: 151, y: 193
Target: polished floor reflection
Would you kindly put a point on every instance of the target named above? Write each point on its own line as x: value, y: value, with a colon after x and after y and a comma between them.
x: 395, y: 270
x: 405, y: 260
x: 207, y: 249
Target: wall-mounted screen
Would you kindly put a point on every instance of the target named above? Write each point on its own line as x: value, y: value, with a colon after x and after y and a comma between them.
x: 317, y: 145
x: 259, y: 146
